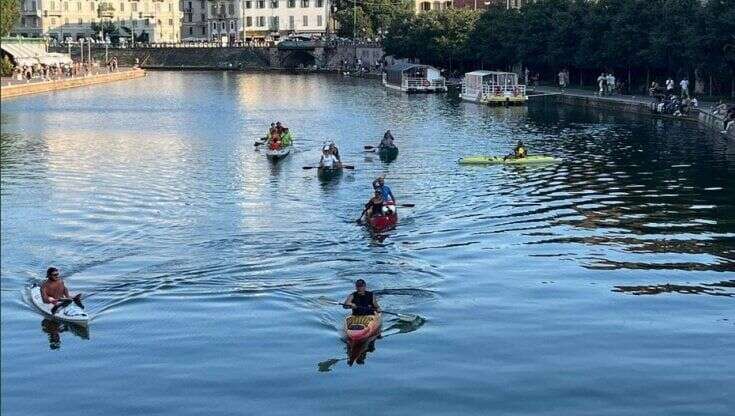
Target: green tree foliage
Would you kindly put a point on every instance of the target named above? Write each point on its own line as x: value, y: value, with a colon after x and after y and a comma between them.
x: 107, y: 28
x: 439, y: 38
x: 631, y: 37
x: 9, y: 15
x: 374, y: 17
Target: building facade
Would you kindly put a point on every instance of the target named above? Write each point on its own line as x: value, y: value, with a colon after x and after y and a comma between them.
x: 194, y: 20
x: 421, y: 6
x: 486, y: 4
x: 272, y: 19
x: 146, y: 20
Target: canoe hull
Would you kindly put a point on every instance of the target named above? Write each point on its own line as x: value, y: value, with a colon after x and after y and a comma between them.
x: 380, y: 223
x: 498, y: 160
x: 327, y: 174
x: 277, y: 155
x: 388, y: 154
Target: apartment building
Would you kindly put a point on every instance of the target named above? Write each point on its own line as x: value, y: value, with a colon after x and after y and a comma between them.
x: 270, y: 19
x: 151, y: 20
x: 427, y: 5
x: 194, y: 20
x: 420, y: 6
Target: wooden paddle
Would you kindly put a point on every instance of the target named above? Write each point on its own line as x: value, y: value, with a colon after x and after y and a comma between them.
x: 401, y: 316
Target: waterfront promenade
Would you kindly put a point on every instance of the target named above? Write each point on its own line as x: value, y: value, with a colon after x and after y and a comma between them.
x: 11, y: 87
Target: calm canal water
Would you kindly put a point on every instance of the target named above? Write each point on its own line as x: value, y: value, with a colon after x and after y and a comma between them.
x: 600, y: 285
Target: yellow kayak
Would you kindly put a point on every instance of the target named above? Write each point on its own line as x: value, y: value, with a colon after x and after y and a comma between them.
x: 498, y: 160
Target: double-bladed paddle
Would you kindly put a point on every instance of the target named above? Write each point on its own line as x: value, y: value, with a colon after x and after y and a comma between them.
x: 401, y: 316
x: 63, y: 303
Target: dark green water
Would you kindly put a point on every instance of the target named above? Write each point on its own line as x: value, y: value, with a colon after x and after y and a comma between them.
x: 601, y: 285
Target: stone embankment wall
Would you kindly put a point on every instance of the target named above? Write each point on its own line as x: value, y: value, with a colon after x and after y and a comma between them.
x: 19, y: 89
x: 715, y: 122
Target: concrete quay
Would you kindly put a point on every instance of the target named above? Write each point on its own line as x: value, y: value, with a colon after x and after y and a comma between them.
x: 14, y: 88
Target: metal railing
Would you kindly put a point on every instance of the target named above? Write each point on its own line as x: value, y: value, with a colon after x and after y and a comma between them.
x: 495, y: 90
x: 419, y: 83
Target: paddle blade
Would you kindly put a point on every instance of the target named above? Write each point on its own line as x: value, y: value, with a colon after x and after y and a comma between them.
x: 59, y: 305
x: 368, y: 147
x: 408, y: 205
x: 308, y: 167
x: 78, y: 300
x: 348, y: 167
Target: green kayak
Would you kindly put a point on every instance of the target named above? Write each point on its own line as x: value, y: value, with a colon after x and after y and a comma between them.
x: 327, y: 174
x: 498, y: 160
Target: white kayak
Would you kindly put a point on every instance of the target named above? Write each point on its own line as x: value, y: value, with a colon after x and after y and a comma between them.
x: 276, y: 155
x: 70, y: 313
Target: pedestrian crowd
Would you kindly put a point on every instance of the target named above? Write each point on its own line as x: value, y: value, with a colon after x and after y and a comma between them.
x: 58, y: 71
x: 668, y: 101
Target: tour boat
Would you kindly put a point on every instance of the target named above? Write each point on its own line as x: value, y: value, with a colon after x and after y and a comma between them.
x: 409, y: 77
x: 493, y: 88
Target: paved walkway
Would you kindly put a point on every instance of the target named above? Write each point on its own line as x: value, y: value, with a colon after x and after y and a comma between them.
x: 630, y: 99
x: 8, y: 81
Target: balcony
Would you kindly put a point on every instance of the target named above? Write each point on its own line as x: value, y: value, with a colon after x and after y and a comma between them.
x: 52, y: 13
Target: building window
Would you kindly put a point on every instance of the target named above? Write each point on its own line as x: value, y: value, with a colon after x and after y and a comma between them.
x: 260, y: 21
x: 191, y: 30
x: 222, y: 26
x: 425, y: 6
x: 214, y: 9
x: 66, y: 6
x: 147, y: 22
x: 290, y: 22
x: 91, y: 5
x: 304, y: 3
x: 248, y: 4
x: 170, y: 22
x: 66, y: 20
x: 157, y: 7
x: 260, y: 4
x: 204, y: 30
x: 320, y: 3
x: 231, y: 9
x: 122, y: 6
x: 53, y: 21
x: 274, y: 4
x: 306, y: 20
x: 204, y: 18
x: 135, y: 22
x: 232, y: 25
x: 82, y: 21
x: 274, y: 23
x: 23, y: 21
x: 291, y: 4
x: 249, y: 21
x: 319, y: 20
x: 79, y: 6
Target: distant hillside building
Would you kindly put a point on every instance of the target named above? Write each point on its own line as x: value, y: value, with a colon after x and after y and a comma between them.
x: 157, y: 21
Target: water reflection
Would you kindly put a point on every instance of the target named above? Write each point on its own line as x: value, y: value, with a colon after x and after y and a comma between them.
x: 54, y: 328
x: 723, y: 288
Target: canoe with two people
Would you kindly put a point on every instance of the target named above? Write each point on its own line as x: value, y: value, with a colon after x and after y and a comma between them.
x: 381, y: 208
x: 330, y: 165
x: 52, y: 298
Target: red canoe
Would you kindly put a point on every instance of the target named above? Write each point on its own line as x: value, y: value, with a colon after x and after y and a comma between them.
x: 381, y: 223
x: 360, y: 328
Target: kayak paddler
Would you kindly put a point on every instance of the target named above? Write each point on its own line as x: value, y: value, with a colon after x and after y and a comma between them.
x: 53, y: 289
x: 362, y: 301
x: 519, y: 152
x: 335, y: 151
x: 387, y: 141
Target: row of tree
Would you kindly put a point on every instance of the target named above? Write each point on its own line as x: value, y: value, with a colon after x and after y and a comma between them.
x: 637, y: 39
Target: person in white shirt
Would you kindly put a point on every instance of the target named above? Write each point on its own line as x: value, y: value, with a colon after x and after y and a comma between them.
x: 684, y: 84
x: 610, y: 83
x: 328, y: 160
x: 601, y: 83
x: 669, y: 85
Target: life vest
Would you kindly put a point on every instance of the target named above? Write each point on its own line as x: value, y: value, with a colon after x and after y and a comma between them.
x: 364, y: 303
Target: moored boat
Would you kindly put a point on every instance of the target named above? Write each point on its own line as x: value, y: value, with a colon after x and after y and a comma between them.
x: 408, y: 77
x: 493, y: 88
x: 499, y: 160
